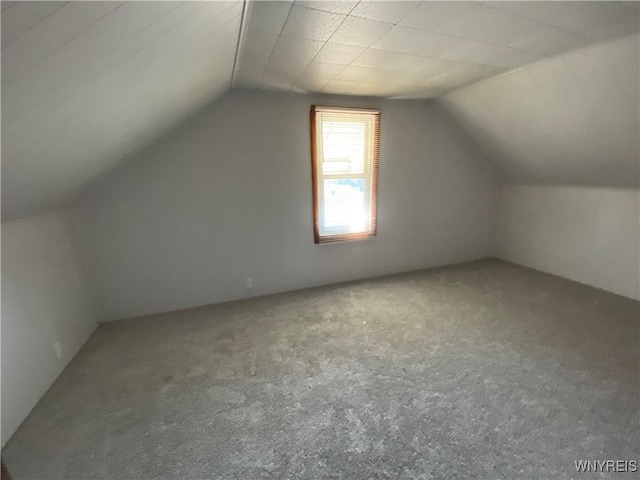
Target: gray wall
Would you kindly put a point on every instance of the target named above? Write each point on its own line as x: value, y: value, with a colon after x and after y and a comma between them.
x: 44, y: 301
x: 228, y: 196
x: 586, y: 234
x: 571, y: 120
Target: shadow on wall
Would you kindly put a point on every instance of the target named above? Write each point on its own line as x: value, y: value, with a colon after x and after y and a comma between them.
x: 46, y: 316
x: 227, y: 196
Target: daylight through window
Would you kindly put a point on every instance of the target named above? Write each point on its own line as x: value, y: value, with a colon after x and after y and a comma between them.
x: 344, y: 152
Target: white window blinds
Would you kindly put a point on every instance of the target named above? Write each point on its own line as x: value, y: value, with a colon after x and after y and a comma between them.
x: 345, y: 145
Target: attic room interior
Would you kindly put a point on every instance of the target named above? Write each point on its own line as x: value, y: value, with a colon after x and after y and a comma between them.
x: 320, y: 239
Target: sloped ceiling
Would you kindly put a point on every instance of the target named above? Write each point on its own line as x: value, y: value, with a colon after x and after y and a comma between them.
x: 85, y: 84
x: 572, y: 120
x: 413, y: 49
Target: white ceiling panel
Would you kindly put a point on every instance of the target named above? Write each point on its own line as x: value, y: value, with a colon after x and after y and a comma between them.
x: 311, y: 83
x: 597, y: 20
x: 93, y: 81
x: 376, y: 58
x: 360, y: 32
x: 343, y: 7
x: 269, y: 16
x: 431, y: 46
x: 249, y: 72
x: 50, y: 79
x: 379, y: 89
x: 295, y: 49
x: 546, y: 41
x: 25, y: 16
x: 471, y: 51
x: 86, y: 83
x: 86, y: 48
x: 260, y: 44
x: 469, y: 20
x: 274, y: 80
x: 384, y: 11
x: 316, y: 76
x: 418, y: 42
x: 49, y: 34
x: 571, y: 120
x: 338, y: 53
x: 353, y: 73
x: 461, y: 74
x: 483, y: 23
x: 323, y: 69
x: 342, y: 87
x: 311, y: 24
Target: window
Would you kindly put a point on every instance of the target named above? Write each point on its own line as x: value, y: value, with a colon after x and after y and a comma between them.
x: 344, y: 155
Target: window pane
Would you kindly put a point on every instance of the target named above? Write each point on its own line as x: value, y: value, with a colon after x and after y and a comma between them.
x: 344, y: 206
x: 343, y: 147
x: 345, y: 157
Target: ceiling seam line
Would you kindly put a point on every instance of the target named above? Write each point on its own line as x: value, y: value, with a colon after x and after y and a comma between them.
x: 239, y: 43
x: 346, y: 16
x: 276, y: 46
x: 536, y: 62
x: 148, y: 43
x: 33, y: 26
x: 536, y: 20
x: 69, y: 40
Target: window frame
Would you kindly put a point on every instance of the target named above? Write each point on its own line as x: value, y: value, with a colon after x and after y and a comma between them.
x: 316, y: 174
